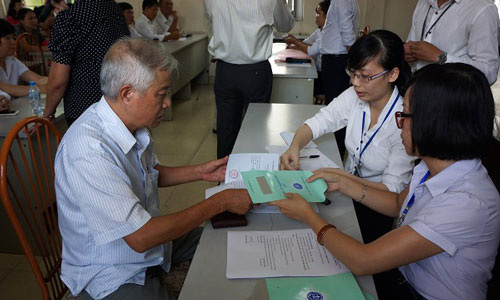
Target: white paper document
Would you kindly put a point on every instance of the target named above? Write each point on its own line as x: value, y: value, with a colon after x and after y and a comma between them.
x: 259, y: 254
x: 288, y: 138
x: 306, y: 163
x: 247, y: 162
x: 257, y: 209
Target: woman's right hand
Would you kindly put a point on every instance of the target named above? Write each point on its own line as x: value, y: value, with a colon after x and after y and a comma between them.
x: 290, y: 159
x: 333, y: 179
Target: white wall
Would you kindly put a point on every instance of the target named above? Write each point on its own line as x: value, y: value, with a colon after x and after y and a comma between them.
x: 394, y: 15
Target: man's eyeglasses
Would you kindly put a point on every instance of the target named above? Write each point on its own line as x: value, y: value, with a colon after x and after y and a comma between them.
x: 364, y: 78
x: 400, y: 118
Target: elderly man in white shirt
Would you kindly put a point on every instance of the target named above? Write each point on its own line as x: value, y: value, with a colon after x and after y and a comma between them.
x: 116, y: 244
x: 445, y: 31
x: 242, y: 43
x: 145, y: 25
x: 167, y: 18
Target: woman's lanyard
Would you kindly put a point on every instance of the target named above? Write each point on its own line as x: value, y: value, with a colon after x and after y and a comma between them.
x: 357, y: 167
x: 434, y: 24
x: 410, y: 203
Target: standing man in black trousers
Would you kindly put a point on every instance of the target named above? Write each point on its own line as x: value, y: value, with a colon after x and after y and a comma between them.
x: 339, y: 33
x: 242, y: 44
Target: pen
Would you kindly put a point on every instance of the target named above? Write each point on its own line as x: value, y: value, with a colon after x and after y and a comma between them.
x: 310, y: 156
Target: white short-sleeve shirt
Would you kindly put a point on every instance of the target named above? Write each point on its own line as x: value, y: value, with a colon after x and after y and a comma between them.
x: 458, y: 210
x: 14, y: 69
x: 385, y: 159
x: 313, y: 50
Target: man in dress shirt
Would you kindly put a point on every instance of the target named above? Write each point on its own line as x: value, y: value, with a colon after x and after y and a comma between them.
x: 167, y: 18
x: 445, y: 31
x: 337, y: 36
x: 242, y: 43
x: 145, y: 25
x: 115, y: 242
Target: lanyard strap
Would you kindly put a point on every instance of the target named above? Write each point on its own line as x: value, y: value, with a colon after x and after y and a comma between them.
x: 434, y: 24
x: 412, y: 200
x: 362, y: 149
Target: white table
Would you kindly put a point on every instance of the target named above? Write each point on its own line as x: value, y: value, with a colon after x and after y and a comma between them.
x: 206, y: 278
x: 291, y: 83
x: 192, y: 57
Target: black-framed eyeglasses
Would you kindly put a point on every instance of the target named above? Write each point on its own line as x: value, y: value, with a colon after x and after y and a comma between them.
x: 364, y: 78
x: 400, y: 118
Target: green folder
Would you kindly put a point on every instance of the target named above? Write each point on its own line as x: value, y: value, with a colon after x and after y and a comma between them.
x: 341, y: 286
x: 265, y: 186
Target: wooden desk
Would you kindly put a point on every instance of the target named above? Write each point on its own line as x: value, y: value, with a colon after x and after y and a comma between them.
x: 291, y: 83
x: 206, y: 278
x: 192, y: 57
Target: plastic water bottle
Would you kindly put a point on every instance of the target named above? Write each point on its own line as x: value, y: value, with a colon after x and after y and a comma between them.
x: 35, y: 101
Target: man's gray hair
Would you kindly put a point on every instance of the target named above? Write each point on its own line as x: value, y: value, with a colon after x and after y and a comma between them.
x: 134, y: 62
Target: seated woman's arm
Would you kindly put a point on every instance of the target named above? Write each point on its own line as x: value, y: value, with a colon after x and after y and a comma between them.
x: 398, y: 247
x: 290, y: 159
x: 41, y: 81
x: 376, y: 185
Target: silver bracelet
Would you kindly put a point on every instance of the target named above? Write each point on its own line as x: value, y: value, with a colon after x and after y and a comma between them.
x: 363, y: 193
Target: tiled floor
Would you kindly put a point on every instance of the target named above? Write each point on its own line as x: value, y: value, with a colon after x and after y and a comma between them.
x: 187, y: 139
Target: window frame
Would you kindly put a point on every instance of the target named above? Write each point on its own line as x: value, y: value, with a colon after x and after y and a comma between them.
x: 296, y: 8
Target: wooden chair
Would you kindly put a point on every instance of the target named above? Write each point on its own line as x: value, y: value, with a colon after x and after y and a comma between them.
x: 28, y: 195
x: 30, y: 52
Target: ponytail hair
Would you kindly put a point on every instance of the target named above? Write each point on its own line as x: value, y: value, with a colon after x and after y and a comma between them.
x: 387, y: 47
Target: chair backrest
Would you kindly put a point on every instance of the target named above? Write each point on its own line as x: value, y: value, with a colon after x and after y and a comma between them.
x: 28, y: 195
x: 30, y: 52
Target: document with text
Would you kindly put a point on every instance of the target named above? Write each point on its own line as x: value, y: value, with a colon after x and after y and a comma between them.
x: 259, y: 254
x: 248, y: 162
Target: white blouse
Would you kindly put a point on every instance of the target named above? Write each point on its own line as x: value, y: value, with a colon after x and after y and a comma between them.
x: 384, y: 159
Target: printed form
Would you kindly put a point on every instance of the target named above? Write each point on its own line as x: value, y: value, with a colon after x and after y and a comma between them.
x: 259, y: 254
x: 248, y: 162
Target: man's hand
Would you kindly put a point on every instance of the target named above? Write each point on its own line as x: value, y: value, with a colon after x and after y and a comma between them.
x: 175, y: 15
x: 214, y: 170
x: 294, y: 207
x: 4, y: 103
x: 408, y: 54
x: 234, y: 200
x: 59, y: 6
x: 290, y: 39
x: 290, y: 160
x: 173, y: 36
x: 424, y: 51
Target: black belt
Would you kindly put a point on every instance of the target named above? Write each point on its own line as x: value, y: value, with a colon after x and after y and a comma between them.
x: 401, y: 280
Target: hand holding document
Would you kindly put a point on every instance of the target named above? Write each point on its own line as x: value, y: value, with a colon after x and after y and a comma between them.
x: 266, y: 186
x: 257, y: 254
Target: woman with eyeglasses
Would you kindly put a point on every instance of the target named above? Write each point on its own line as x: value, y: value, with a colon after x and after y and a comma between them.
x: 446, y: 231
x: 376, y: 158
